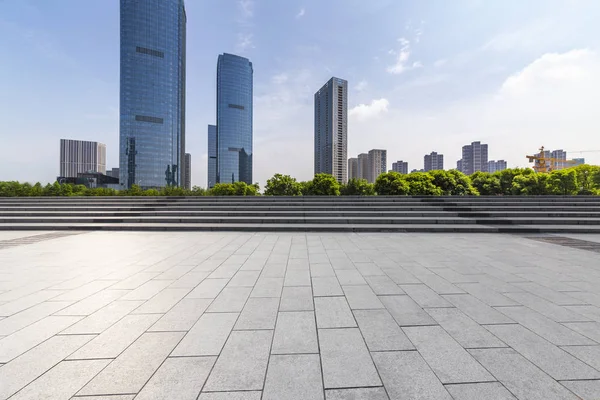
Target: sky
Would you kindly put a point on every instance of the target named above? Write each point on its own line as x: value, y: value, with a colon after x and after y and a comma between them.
x: 424, y: 75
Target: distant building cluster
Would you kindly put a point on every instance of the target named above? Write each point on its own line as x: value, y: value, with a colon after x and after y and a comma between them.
x: 368, y: 165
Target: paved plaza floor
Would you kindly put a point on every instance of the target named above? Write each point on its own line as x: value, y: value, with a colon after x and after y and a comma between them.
x: 242, y: 316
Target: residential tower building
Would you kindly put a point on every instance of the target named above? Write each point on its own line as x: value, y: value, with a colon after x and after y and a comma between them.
x: 80, y: 156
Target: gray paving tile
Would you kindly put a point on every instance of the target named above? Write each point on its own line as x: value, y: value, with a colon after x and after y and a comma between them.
x: 519, y: 376
x: 84, y: 291
x: 116, y: 397
x: 587, y: 329
x: 208, y: 289
x: 549, y: 358
x: 24, y: 369
x: 93, y: 303
x: 178, y: 378
x: 382, y: 285
x: 381, y: 332
x: 182, y: 316
x: 102, y: 319
x: 23, y: 303
x: 591, y: 312
x: 19, y: 342
x: 295, y: 376
x: 230, y: 300
x: 296, y: 333
x: 333, y: 312
x: 134, y: 281
x: 321, y: 270
x: 189, y: 280
x: 586, y: 390
x: 356, y: 394
x: 267, y: 287
x: 450, y: 362
x: 362, y: 297
x: 244, y: 279
x: 258, y: 313
x: 589, y: 355
x: 554, y: 296
x: 479, y: 391
x: 554, y: 312
x: 406, y: 376
x: 231, y: 396
x: 162, y: 302
x: 346, y: 360
x: 468, y: 333
x: 424, y: 296
x: 477, y: 310
x: 27, y: 317
x: 405, y: 311
x: 296, y: 299
x: 207, y: 336
x: 401, y: 276
x: 243, y: 362
x: 440, y: 285
x: 369, y: 269
x: 488, y: 295
x: 147, y: 290
x: 545, y: 327
x: 348, y: 277
x: 133, y: 368
x: 297, y: 277
x: 326, y: 286
x: 62, y: 381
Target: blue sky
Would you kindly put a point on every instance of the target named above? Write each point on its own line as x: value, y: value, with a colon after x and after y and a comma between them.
x: 424, y: 75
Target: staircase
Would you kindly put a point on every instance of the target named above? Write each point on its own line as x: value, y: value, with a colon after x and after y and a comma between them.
x: 548, y: 214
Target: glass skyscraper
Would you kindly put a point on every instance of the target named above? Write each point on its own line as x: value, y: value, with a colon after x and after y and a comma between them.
x: 234, y: 120
x: 152, y: 99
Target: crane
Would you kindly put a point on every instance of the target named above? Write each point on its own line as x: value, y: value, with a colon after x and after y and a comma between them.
x: 547, y: 164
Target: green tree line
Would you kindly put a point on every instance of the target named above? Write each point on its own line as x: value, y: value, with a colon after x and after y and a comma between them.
x: 580, y: 180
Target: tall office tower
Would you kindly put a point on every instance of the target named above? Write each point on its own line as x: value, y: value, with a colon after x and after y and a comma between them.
x: 495, y: 166
x: 363, y: 166
x: 474, y: 158
x: 377, y: 164
x: 212, y: 156
x: 331, y: 129
x: 353, y: 168
x: 433, y: 161
x: 559, y: 155
x: 81, y: 156
x: 400, y: 166
x: 188, y: 171
x: 234, y: 119
x: 152, y: 99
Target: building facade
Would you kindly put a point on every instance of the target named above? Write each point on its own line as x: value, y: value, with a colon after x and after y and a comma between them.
x: 578, y: 161
x: 80, y: 156
x: 353, y: 168
x: 331, y: 129
x: 363, y: 166
x: 212, y: 156
x: 152, y: 93
x: 433, y: 161
x: 188, y: 171
x: 377, y: 164
x: 474, y: 158
x: 495, y: 166
x: 234, y: 119
x: 113, y: 173
x: 400, y: 167
x: 561, y: 157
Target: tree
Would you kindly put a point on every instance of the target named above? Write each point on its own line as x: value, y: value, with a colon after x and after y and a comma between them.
x: 357, y: 187
x: 282, y: 185
x: 453, y: 183
x: 323, y: 185
x: 586, y: 178
x: 507, y: 176
x: 531, y: 184
x: 234, y: 189
x: 563, y: 182
x: 486, y: 184
x: 391, y: 184
x: 421, y: 184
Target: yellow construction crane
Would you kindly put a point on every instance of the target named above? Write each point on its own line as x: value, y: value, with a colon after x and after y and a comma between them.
x: 547, y: 164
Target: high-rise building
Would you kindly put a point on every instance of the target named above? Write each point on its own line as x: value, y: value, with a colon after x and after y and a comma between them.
x: 559, y: 155
x: 212, y: 156
x: 474, y: 158
x: 578, y: 161
x: 79, y: 156
x: 495, y: 166
x: 433, y: 161
x: 459, y: 165
x: 363, y: 166
x: 353, y: 168
x: 331, y: 129
x: 400, y: 166
x: 152, y: 98
x: 377, y: 164
x: 234, y: 119
x: 188, y: 171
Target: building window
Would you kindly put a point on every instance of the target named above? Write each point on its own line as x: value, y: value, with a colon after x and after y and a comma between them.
x: 150, y: 52
x: 236, y: 106
x: 145, y: 118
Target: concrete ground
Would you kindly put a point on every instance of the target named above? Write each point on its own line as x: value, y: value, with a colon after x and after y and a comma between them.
x: 227, y: 316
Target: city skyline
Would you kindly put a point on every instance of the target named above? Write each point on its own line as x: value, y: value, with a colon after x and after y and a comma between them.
x: 418, y: 77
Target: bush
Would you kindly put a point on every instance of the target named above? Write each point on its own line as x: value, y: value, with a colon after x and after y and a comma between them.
x: 421, y: 184
x: 391, y: 184
x: 530, y: 185
x: 322, y: 185
x: 453, y: 183
x: 282, y: 185
x: 486, y: 184
x: 563, y: 182
x: 357, y: 187
x: 234, y: 189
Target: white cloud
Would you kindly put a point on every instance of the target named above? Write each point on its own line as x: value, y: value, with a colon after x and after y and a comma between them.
x: 280, y: 78
x: 246, y: 8
x: 402, y: 57
x: 361, y: 86
x: 363, y: 112
x: 301, y: 13
x: 244, y: 41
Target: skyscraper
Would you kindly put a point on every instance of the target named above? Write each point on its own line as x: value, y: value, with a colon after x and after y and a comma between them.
x: 474, y: 158
x: 188, y: 171
x: 559, y: 155
x: 212, y: 156
x: 331, y: 129
x: 234, y: 119
x: 377, y: 164
x: 495, y: 166
x: 152, y: 99
x: 363, y: 166
x: 400, y: 166
x: 433, y: 161
x: 353, y: 168
x: 79, y: 156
